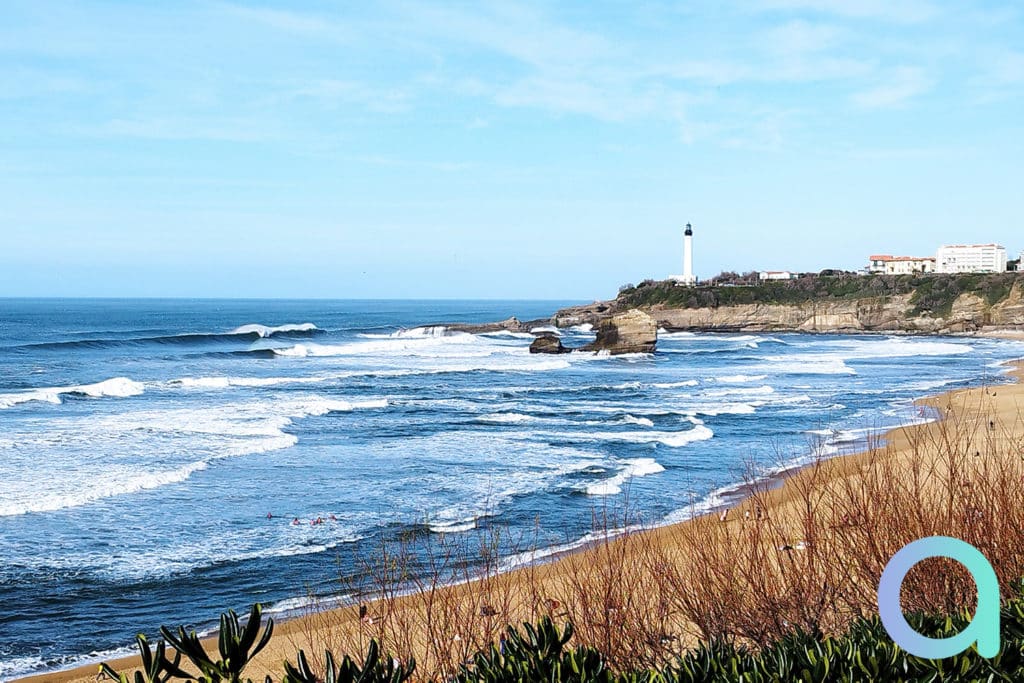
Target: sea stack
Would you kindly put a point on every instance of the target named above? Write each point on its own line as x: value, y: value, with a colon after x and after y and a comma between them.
x: 631, y: 332
x: 548, y: 343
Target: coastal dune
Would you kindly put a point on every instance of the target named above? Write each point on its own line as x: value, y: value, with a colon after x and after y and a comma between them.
x: 801, y: 550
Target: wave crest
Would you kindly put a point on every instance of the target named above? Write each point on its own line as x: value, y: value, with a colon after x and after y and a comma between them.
x: 641, y: 467
x: 118, y: 387
x: 264, y: 331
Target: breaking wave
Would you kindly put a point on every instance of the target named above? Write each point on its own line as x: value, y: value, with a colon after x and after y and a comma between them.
x: 119, y: 387
x: 641, y: 467
x: 670, y: 439
x: 263, y: 331
x: 113, y: 485
x: 250, y: 332
x: 239, y: 430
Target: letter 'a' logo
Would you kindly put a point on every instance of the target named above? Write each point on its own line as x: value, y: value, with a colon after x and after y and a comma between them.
x: 984, y: 627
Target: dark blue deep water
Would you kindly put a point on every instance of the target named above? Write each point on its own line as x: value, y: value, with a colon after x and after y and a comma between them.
x: 143, y: 443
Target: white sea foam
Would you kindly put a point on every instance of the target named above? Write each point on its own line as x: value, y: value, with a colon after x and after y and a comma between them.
x: 228, y: 382
x: 585, y: 328
x: 207, y: 434
x: 926, y: 385
x: 509, y: 334
x: 675, y: 385
x: 452, y: 527
x: 671, y: 439
x: 741, y: 391
x: 432, y: 332
x: 833, y: 360
x: 716, y: 409
x: 549, y: 329
x: 265, y: 331
x: 711, y: 410
x: 421, y: 344
x: 118, y: 387
x: 534, y: 556
x: 19, y: 667
x: 234, y: 546
x: 506, y: 418
x: 896, y: 347
x: 642, y: 421
x: 303, y: 605
x: 114, y: 484
x: 740, y: 379
x: 640, y: 467
x: 809, y: 365
x: 458, y: 353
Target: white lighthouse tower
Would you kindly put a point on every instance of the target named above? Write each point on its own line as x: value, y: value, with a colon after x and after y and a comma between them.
x: 688, y: 278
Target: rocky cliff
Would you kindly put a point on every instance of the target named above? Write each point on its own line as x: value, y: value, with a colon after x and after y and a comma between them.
x: 926, y: 304
x: 631, y: 332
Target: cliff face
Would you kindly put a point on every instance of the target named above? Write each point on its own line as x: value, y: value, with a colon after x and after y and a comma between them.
x: 631, y: 332
x: 969, y: 311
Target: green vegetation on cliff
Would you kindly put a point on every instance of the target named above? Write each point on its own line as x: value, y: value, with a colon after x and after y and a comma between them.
x: 931, y: 294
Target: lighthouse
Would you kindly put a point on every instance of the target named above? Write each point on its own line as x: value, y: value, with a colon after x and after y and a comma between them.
x: 688, y: 277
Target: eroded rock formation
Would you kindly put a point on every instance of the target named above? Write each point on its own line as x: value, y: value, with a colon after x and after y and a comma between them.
x: 631, y: 332
x: 548, y: 343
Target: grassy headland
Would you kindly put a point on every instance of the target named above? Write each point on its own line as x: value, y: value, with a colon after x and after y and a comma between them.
x: 843, y: 302
x: 929, y: 293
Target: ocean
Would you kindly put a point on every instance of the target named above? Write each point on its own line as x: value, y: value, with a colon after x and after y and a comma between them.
x: 154, y: 453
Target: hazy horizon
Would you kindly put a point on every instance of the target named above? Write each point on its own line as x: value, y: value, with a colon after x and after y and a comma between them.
x: 524, y: 151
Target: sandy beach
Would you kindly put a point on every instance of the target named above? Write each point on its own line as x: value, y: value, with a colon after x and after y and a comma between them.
x: 641, y: 578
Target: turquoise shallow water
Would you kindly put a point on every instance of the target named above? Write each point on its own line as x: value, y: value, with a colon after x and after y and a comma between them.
x: 143, y: 443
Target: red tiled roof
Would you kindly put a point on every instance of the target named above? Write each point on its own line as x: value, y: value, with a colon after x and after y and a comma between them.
x: 887, y: 257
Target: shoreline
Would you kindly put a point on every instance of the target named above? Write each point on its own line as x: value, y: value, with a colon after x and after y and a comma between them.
x: 733, y: 496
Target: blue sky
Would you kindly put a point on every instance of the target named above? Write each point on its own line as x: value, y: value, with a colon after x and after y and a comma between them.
x: 515, y: 150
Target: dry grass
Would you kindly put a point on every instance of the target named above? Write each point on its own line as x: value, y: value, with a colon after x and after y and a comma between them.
x: 807, y: 556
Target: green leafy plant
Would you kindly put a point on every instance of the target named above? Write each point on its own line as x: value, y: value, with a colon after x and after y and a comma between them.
x: 374, y: 669
x: 536, y: 654
x: 237, y: 646
x: 156, y: 667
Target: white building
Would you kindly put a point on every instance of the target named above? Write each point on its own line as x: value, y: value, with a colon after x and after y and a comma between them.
x: 970, y: 258
x: 687, y: 278
x: 885, y: 264
x: 776, y: 275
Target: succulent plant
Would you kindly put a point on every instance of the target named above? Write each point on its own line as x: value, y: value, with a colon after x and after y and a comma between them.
x: 156, y: 668
x: 374, y: 669
x: 237, y: 646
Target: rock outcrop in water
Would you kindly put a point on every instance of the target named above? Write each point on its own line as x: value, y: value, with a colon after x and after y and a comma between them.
x: 631, y: 332
x: 512, y: 324
x: 548, y: 343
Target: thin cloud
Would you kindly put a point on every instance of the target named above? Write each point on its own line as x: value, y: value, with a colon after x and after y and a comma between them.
x: 1004, y: 68
x: 903, y: 84
x: 371, y: 98
x: 896, y: 11
x: 803, y: 37
x: 187, y: 129
x: 288, y: 21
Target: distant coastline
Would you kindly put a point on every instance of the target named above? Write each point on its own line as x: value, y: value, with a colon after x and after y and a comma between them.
x: 845, y: 303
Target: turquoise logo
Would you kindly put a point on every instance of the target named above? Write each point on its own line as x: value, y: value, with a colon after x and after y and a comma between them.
x: 984, y: 627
